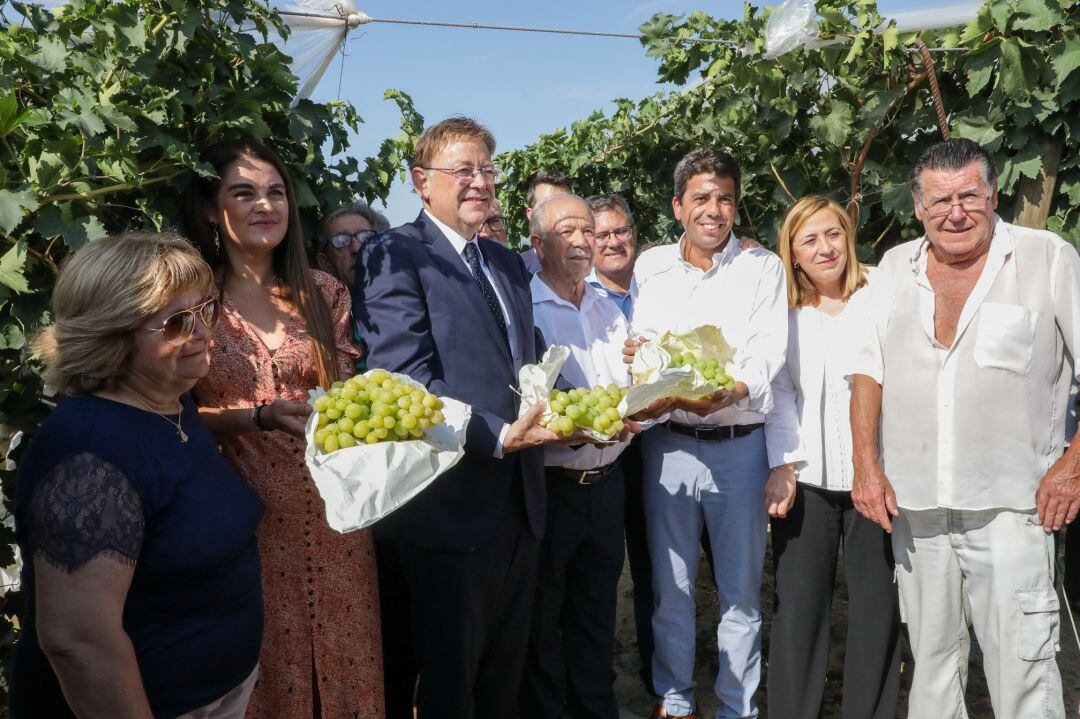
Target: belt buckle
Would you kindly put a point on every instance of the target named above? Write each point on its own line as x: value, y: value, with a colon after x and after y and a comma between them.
x: 583, y: 478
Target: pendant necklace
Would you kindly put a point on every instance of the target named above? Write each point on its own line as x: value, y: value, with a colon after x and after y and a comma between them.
x: 179, y: 414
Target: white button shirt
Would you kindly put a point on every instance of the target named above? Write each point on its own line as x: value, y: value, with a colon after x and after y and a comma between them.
x: 812, y: 397
x: 743, y: 293
x: 595, y: 334
x: 459, y: 243
x: 976, y: 425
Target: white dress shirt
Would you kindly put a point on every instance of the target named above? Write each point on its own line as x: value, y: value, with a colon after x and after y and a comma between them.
x: 595, y: 334
x: 820, y: 350
x: 459, y: 243
x: 743, y: 293
x: 976, y: 425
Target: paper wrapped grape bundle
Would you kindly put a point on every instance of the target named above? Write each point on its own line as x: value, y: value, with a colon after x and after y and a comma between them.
x: 373, y: 408
x: 595, y: 410
x: 709, y: 368
x: 376, y: 440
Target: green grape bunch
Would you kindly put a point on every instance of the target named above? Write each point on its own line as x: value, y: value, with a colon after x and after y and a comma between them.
x: 709, y: 368
x: 595, y: 410
x: 373, y: 407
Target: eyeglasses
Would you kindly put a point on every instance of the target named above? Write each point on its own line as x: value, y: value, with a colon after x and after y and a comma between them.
x: 344, y: 240
x: 621, y: 233
x: 178, y: 328
x: 969, y: 202
x: 495, y: 224
x: 465, y: 175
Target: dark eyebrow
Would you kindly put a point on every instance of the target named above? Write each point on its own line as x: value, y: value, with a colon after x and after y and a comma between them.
x: 244, y: 185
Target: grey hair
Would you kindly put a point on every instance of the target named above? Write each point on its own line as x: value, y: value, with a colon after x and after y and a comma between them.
x: 955, y: 154
x: 606, y: 203
x: 376, y: 219
x: 538, y: 222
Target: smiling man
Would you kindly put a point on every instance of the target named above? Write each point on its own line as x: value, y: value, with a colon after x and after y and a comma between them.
x: 707, y: 466
x: 581, y: 556
x: 616, y: 249
x: 966, y: 370
x: 453, y: 311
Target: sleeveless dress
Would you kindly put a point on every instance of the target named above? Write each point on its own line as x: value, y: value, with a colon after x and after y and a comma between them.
x: 321, y: 646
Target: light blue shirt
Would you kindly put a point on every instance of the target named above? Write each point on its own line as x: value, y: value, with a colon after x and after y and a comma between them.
x: 625, y: 301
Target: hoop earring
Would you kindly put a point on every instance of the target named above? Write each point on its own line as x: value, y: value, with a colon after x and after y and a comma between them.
x: 216, y: 233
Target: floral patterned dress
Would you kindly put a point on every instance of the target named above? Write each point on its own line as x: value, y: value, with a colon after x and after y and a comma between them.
x: 321, y: 646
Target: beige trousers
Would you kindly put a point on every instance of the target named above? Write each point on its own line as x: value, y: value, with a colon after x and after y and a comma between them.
x: 992, y: 570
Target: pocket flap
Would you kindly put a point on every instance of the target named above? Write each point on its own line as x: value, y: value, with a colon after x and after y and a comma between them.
x: 1033, y: 601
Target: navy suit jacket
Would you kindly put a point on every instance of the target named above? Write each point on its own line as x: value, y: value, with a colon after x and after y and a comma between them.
x: 420, y: 312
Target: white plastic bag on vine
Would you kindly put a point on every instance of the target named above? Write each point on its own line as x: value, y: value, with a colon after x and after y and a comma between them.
x: 791, y: 25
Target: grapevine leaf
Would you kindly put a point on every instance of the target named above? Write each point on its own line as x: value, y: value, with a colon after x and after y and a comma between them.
x: 979, y: 69
x: 890, y: 38
x: 12, y: 264
x: 835, y: 126
x: 12, y: 207
x: 979, y: 129
x: 1066, y: 58
x: 50, y: 56
x: 1036, y: 15
x: 1013, y: 82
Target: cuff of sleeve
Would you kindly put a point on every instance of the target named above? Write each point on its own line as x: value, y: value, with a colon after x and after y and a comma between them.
x: 499, y: 443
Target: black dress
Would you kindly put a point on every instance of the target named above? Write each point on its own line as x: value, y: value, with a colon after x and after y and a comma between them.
x: 102, y: 478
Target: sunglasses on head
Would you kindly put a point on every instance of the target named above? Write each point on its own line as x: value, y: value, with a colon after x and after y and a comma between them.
x: 178, y: 328
x: 344, y: 240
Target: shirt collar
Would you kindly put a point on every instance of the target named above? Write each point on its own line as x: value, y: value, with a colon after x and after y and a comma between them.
x: 723, y: 257
x: 456, y: 239
x: 1001, y: 246
x: 542, y: 293
x: 594, y: 280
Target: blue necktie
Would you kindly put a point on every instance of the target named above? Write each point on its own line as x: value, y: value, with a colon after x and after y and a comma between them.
x: 472, y: 257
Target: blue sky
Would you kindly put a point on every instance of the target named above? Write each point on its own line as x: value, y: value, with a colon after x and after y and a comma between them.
x: 519, y: 84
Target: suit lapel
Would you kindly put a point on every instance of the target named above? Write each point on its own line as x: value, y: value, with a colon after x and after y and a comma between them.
x: 510, y: 294
x: 452, y: 266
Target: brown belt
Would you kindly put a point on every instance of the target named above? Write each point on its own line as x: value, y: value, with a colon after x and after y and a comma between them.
x: 713, y: 434
x: 584, y: 476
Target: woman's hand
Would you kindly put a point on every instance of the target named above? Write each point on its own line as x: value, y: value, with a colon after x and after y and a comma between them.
x: 285, y: 416
x: 780, y: 491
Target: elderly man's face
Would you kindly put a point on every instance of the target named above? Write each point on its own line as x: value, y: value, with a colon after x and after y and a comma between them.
x: 956, y: 209
x: 566, y: 250
x: 463, y: 205
x: 616, y: 243
x: 707, y: 210
x: 341, y: 261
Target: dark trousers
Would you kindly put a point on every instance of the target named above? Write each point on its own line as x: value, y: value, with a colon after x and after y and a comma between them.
x: 1071, y: 581
x: 573, y: 626
x: 470, y: 619
x: 399, y: 662
x: 637, y: 555
x: 806, y: 545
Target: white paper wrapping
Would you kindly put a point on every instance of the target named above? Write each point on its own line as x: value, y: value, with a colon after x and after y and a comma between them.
x: 363, y: 484
x: 537, y: 380
x: 655, y: 378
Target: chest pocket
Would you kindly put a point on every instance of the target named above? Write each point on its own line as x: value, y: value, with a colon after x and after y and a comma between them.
x: 1006, y: 337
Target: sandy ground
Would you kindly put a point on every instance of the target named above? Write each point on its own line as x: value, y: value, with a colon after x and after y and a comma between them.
x: 636, y: 703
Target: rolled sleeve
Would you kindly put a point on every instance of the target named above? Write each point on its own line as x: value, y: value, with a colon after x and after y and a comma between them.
x: 867, y: 357
x: 1065, y: 291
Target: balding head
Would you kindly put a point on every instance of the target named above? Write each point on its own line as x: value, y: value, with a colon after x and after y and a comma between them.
x: 561, y: 230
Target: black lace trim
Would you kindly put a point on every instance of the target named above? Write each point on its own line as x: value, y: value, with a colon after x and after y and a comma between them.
x: 85, y: 508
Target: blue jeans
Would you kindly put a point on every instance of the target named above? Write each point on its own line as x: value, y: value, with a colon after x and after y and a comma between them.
x: 691, y: 484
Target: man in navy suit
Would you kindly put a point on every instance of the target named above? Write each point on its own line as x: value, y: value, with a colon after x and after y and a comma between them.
x: 454, y: 312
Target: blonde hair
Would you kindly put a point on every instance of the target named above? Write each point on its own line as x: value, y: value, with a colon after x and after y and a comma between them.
x: 105, y: 291
x: 800, y: 289
x: 436, y: 138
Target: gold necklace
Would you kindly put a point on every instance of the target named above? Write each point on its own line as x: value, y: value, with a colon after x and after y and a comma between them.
x: 179, y: 418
